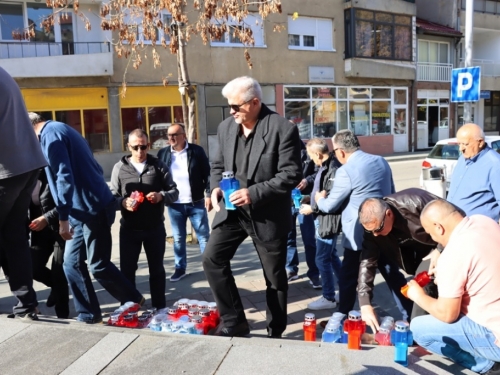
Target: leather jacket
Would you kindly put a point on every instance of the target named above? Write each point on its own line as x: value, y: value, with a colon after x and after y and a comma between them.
x: 47, y: 207
x: 406, y: 244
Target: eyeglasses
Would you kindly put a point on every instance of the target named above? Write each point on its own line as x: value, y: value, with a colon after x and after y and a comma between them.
x: 236, y: 107
x: 379, y: 229
x: 174, y: 135
x: 142, y: 147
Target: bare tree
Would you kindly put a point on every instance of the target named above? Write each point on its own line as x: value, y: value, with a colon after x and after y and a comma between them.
x: 167, y: 24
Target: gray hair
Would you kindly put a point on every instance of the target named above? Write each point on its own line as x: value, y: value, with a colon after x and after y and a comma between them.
x: 318, y: 145
x: 346, y: 140
x: 248, y: 87
x: 372, y: 209
x: 35, y: 118
x: 139, y: 133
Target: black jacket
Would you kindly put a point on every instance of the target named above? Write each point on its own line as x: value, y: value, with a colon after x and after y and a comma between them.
x: 274, y: 169
x: 329, y: 224
x: 154, y: 178
x: 309, y: 169
x: 198, y: 169
x: 406, y: 206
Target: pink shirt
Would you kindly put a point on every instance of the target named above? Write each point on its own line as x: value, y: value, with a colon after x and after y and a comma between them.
x: 469, y: 267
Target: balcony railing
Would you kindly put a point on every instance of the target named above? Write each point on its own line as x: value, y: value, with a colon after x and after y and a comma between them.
x: 11, y: 50
x: 434, y: 72
x: 489, y: 68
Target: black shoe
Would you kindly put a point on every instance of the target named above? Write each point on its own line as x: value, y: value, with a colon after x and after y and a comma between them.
x: 178, y: 274
x: 239, y: 330
x: 26, y: 317
x: 495, y: 370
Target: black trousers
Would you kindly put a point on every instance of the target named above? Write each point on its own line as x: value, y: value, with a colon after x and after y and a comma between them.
x: 221, y: 247
x: 153, y: 240
x: 15, y: 197
x: 44, y: 243
x: 349, y: 281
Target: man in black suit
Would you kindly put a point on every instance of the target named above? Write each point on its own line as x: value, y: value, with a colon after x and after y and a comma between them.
x: 263, y: 150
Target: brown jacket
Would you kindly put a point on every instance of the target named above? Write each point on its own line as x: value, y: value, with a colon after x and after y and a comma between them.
x: 407, y: 231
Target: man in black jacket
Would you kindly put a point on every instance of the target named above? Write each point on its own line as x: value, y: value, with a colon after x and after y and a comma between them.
x: 263, y: 150
x: 328, y: 225
x: 393, y: 230
x: 142, y: 223
x: 190, y: 170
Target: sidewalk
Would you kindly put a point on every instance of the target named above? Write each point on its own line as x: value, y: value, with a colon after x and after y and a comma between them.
x: 53, y: 346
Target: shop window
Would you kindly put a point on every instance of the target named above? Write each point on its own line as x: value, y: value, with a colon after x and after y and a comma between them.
x: 310, y: 34
x: 400, y: 121
x: 132, y: 118
x: 381, y: 117
x: 378, y: 35
x: 96, y: 129
x: 71, y: 118
x: 160, y: 118
x: 324, y: 118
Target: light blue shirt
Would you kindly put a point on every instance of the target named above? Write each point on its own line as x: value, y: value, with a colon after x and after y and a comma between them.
x: 475, y: 184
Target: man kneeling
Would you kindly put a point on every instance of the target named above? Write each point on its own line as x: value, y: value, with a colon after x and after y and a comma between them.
x: 464, y: 322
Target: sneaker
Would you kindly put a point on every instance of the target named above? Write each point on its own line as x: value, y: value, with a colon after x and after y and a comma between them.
x: 316, y: 284
x: 178, y: 274
x: 97, y: 320
x: 322, y: 304
x: 292, y: 276
x: 26, y: 317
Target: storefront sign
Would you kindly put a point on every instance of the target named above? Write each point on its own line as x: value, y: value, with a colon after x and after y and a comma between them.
x: 485, y: 94
x: 321, y: 74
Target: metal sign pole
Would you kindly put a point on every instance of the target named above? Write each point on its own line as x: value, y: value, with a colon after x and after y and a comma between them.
x: 469, y: 24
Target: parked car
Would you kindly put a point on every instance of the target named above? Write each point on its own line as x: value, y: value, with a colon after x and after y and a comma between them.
x: 446, y: 152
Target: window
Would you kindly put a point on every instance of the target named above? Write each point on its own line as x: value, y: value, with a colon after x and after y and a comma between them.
x: 485, y: 6
x: 492, y: 112
x: 433, y: 52
x: 11, y: 19
x: 378, y: 35
x: 156, y: 33
x: 321, y: 111
x: 310, y: 34
x: 95, y: 128
x: 230, y: 38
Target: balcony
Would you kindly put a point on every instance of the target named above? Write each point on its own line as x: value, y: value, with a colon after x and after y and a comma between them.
x: 489, y: 68
x: 68, y: 59
x: 434, y: 72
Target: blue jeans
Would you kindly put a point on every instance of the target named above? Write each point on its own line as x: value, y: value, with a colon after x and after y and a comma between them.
x: 197, y: 214
x: 306, y: 225
x: 328, y: 263
x: 153, y: 240
x: 92, y: 242
x: 464, y: 341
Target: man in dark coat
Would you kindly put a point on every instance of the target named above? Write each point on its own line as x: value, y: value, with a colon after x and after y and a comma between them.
x: 263, y: 150
x: 393, y: 230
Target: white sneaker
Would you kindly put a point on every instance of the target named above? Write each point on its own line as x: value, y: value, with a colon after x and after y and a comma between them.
x: 322, y: 304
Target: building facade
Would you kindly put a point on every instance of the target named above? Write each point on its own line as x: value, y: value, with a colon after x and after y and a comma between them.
x: 340, y: 64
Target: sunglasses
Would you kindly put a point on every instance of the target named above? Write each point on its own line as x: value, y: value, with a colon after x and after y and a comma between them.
x: 174, y: 135
x: 142, y: 147
x: 236, y: 107
x: 379, y: 229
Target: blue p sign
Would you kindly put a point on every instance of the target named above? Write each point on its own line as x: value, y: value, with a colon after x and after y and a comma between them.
x: 465, y: 84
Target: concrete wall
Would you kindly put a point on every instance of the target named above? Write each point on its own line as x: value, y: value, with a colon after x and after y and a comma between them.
x: 443, y: 12
x: 486, y: 44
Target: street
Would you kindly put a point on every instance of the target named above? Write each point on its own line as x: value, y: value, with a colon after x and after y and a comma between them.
x: 406, y: 173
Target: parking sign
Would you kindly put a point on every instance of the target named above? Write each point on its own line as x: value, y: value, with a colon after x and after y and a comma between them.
x: 465, y: 84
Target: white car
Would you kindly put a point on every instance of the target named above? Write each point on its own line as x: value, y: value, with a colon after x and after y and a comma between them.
x: 446, y: 152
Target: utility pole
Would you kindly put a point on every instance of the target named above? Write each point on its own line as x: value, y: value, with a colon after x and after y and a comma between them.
x: 469, y: 25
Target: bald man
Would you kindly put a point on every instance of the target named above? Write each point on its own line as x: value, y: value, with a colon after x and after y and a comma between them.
x: 464, y: 323
x: 475, y: 183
